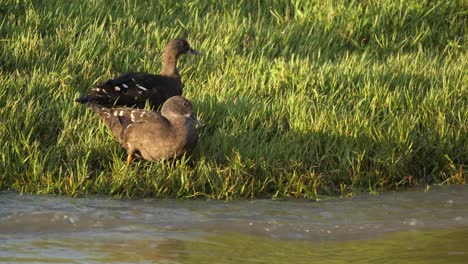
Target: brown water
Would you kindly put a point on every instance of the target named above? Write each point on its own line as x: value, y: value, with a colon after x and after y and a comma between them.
x: 403, y: 227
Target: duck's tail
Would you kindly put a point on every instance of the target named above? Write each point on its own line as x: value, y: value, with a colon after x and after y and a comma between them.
x: 95, y: 98
x: 109, y: 118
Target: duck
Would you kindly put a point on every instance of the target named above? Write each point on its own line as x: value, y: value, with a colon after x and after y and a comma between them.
x: 134, y: 89
x: 152, y: 135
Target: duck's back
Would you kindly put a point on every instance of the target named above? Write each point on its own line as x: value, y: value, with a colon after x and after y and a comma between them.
x: 155, y: 138
x: 134, y: 89
x: 158, y: 138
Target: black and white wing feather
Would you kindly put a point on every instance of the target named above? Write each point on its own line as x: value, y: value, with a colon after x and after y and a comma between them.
x: 132, y: 89
x: 119, y: 120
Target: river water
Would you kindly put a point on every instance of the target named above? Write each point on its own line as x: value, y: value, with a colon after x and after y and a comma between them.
x: 395, y: 227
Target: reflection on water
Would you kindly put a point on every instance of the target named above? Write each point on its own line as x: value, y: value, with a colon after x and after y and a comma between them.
x: 413, y: 226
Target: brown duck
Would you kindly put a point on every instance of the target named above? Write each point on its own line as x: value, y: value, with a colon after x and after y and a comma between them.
x: 152, y: 135
x: 135, y: 88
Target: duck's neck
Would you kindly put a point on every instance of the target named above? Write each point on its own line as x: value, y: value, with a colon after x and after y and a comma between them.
x: 169, y: 66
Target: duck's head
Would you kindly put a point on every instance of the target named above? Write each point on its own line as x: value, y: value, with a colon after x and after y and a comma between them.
x: 179, y: 46
x: 179, y: 106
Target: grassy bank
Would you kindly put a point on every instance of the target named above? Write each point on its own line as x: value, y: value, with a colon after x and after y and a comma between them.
x: 299, y: 99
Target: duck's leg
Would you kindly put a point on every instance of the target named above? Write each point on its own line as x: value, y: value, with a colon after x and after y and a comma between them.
x: 130, y: 151
x: 129, y: 159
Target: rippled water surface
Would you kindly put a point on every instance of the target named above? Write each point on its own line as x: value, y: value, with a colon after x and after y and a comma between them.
x: 403, y: 227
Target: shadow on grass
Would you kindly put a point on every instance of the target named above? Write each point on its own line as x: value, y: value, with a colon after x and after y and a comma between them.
x: 233, y: 137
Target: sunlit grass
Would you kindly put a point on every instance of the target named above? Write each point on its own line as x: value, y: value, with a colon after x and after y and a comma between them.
x: 299, y: 98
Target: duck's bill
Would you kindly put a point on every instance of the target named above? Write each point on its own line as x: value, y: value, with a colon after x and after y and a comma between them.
x: 196, y: 120
x: 194, y: 52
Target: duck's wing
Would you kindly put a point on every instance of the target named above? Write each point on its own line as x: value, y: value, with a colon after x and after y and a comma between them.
x: 131, y: 89
x: 129, y: 116
x: 132, y: 126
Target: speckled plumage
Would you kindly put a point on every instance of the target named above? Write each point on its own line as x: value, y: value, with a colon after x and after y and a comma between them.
x: 154, y: 136
x: 135, y: 88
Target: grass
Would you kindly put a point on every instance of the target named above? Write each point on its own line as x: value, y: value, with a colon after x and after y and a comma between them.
x: 299, y: 98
